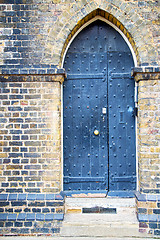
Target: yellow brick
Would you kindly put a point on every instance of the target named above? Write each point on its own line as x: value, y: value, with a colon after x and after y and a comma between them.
x: 50, y: 178
x: 1, y: 167
x: 49, y: 190
x: 59, y: 210
x: 125, y: 32
x: 157, y: 149
x: 143, y: 125
x: 17, y: 126
x: 3, y: 155
x: 74, y: 211
x: 151, y: 114
x: 151, y: 204
x: 13, y: 167
x: 150, y: 211
x: 148, y: 107
x: 149, y: 155
x: 55, y: 184
x: 154, y: 161
x: 3, y: 179
x: 106, y: 15
x: 142, y: 204
x: 114, y: 21
x: 110, y: 18
x: 2, y: 43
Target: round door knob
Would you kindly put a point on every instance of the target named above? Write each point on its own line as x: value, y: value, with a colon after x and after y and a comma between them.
x: 96, y: 132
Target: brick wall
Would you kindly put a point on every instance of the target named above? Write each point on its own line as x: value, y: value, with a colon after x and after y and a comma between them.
x: 148, y: 198
x: 30, y: 149
x: 34, y: 32
x: 149, y: 131
x: 30, y: 155
x: 30, y: 214
x: 148, y: 213
x: 33, y: 38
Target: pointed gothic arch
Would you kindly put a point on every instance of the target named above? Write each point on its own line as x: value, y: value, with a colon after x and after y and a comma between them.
x: 110, y: 20
x: 99, y: 124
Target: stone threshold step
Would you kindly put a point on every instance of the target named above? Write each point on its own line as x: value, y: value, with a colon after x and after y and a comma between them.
x: 107, y: 224
x: 100, y: 202
x: 125, y: 217
x: 99, y: 210
x: 101, y: 231
x: 115, y: 213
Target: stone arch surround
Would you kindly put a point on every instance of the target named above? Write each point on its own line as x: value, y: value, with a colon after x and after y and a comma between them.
x: 126, y: 16
x: 111, y: 20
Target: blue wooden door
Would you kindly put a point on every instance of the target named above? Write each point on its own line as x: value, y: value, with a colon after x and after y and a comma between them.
x: 122, y: 159
x: 99, y: 131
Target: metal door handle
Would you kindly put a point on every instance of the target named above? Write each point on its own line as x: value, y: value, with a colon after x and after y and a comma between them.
x: 135, y: 112
x: 96, y: 132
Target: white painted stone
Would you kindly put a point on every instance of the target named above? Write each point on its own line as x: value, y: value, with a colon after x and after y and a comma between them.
x: 101, y: 231
x: 79, y: 203
x: 88, y: 218
x: 122, y: 224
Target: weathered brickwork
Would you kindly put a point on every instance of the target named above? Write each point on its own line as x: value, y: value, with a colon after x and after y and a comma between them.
x: 148, y: 212
x: 149, y: 131
x: 34, y: 33
x: 30, y: 214
x: 30, y: 149
x: 109, y: 17
x: 30, y: 155
x: 34, y: 37
x: 148, y: 202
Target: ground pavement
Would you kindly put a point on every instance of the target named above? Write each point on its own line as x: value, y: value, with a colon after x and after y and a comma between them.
x: 70, y: 238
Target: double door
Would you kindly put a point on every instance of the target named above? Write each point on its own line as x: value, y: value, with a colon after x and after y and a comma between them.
x: 99, y: 124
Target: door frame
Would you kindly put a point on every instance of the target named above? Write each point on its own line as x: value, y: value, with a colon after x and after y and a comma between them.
x: 135, y: 65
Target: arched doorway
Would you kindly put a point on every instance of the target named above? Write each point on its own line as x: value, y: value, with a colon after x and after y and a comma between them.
x: 99, y: 124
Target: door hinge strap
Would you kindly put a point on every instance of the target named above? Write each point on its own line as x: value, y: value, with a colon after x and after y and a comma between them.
x: 123, y: 179
x: 83, y: 179
x: 84, y: 76
x: 120, y: 75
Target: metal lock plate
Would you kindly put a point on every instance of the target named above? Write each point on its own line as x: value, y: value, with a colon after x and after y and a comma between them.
x: 104, y: 110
